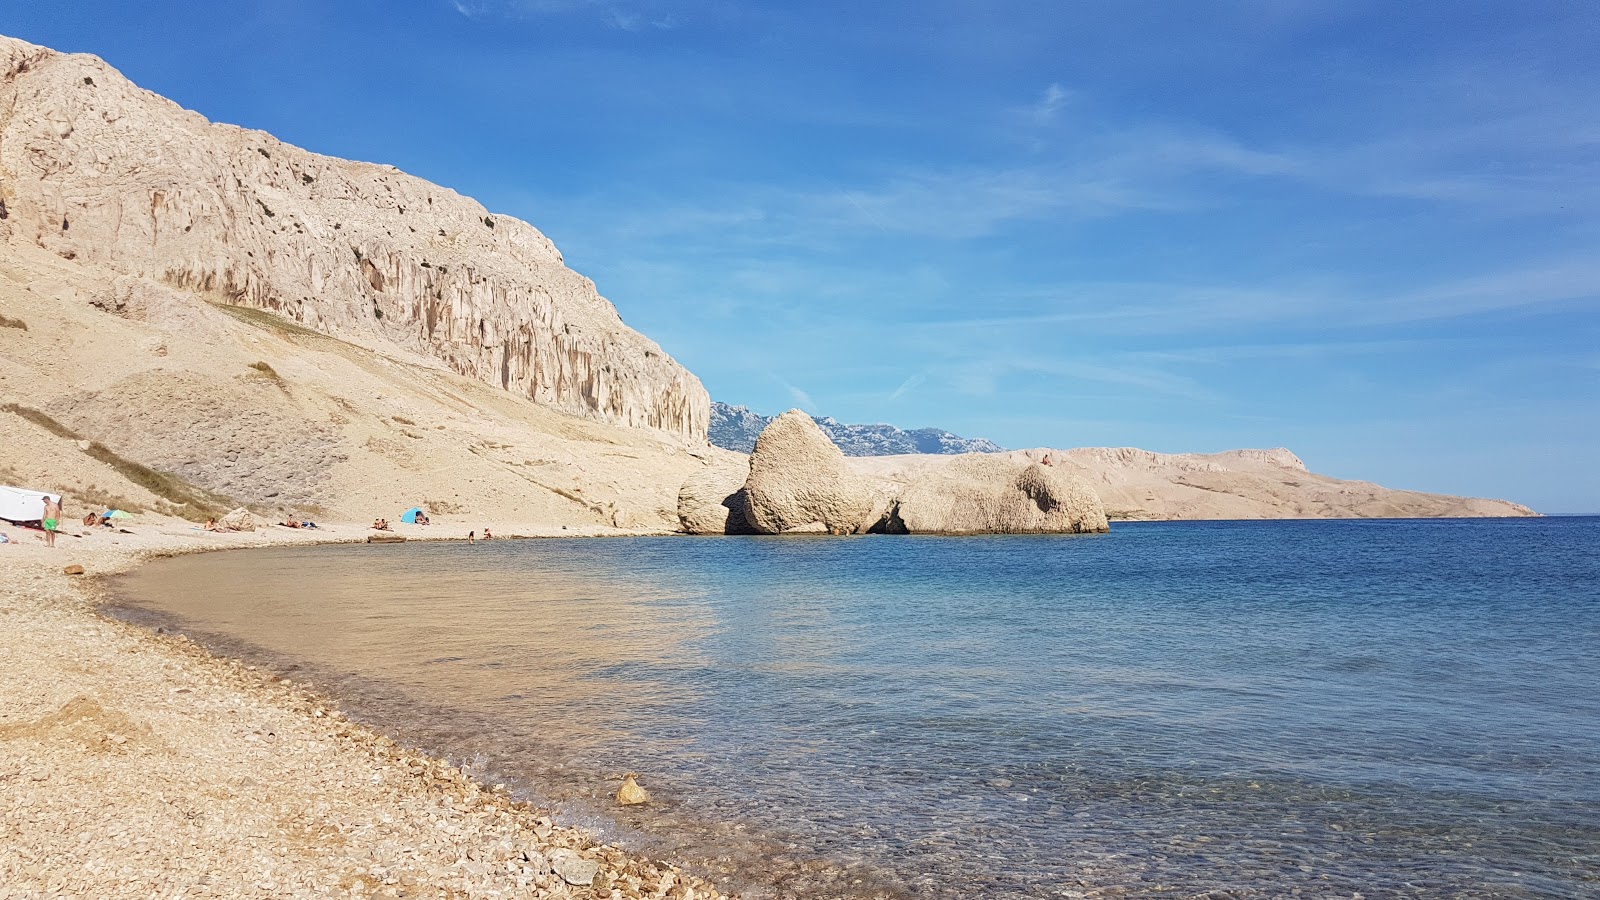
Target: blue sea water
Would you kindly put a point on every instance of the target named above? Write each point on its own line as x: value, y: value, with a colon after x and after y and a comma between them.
x: 1242, y: 709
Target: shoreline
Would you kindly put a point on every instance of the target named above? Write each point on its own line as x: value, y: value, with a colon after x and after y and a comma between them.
x: 136, y: 761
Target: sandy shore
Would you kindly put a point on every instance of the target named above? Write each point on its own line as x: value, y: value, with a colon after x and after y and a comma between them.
x: 138, y: 764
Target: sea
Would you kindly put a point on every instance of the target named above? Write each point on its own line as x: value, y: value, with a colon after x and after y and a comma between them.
x: 1374, y: 708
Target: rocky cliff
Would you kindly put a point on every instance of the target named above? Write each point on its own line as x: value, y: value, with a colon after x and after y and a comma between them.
x: 736, y: 428
x: 101, y: 172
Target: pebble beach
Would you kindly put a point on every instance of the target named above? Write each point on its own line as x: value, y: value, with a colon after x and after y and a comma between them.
x: 135, y: 763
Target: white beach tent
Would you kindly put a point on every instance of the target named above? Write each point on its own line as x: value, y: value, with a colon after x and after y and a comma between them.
x: 23, y: 505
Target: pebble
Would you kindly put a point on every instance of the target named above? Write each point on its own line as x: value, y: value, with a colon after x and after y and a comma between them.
x: 573, y: 868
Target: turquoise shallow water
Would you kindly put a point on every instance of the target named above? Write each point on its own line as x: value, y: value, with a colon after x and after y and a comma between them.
x: 1389, y: 708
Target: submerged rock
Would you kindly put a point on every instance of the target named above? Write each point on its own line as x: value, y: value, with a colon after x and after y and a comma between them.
x: 630, y: 794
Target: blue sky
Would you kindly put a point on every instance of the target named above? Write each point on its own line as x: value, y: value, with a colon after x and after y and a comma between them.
x: 1365, y: 231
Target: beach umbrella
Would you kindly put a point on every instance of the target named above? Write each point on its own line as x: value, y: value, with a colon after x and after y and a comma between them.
x: 118, y: 514
x: 410, y: 517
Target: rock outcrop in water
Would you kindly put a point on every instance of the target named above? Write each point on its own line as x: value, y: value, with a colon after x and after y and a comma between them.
x: 799, y: 482
x: 996, y: 494
x: 714, y: 501
x: 94, y: 169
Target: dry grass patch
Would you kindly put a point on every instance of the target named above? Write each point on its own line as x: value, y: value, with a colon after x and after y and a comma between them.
x: 197, y: 503
x: 7, y: 322
x: 40, y: 419
x: 264, y: 319
x: 94, y: 497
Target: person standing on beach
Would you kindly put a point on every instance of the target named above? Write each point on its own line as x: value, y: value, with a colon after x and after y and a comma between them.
x: 472, y: 537
x: 51, y: 519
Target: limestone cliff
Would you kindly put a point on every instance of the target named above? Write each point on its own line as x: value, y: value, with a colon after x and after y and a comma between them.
x: 99, y: 171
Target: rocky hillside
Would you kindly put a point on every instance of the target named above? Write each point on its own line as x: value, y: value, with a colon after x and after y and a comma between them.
x: 182, y: 406
x: 100, y: 172
x: 736, y: 428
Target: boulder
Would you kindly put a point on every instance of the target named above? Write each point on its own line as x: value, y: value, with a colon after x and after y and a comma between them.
x: 713, y: 500
x: 73, y: 569
x: 238, y: 520
x: 799, y: 480
x: 984, y: 493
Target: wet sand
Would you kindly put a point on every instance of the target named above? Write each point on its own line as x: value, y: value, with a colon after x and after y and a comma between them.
x: 137, y: 763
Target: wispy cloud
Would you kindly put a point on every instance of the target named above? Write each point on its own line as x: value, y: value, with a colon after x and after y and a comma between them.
x: 800, y: 397
x: 907, y: 386
x: 1127, y: 308
x: 650, y: 14
x: 1050, y: 103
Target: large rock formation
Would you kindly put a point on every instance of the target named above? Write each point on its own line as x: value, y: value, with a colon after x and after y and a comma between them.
x: 96, y: 170
x: 799, y: 482
x: 997, y: 494
x: 713, y: 501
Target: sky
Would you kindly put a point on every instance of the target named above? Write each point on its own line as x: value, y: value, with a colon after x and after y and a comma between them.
x: 1366, y: 231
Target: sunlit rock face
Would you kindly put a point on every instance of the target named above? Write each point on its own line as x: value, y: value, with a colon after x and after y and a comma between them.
x: 997, y: 494
x: 101, y: 171
x: 799, y: 483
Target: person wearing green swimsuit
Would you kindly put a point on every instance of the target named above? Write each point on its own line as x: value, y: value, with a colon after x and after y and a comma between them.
x: 52, y: 518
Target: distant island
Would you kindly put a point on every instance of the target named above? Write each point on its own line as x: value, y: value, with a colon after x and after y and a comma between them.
x: 736, y: 428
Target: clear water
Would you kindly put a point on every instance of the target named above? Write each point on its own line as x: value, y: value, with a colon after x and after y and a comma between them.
x: 1383, y: 708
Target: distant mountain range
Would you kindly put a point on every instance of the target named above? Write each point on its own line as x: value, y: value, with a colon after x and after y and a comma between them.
x: 736, y: 428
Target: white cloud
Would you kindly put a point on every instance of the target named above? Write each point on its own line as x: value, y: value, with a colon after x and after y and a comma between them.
x: 1050, y: 103
x: 907, y: 386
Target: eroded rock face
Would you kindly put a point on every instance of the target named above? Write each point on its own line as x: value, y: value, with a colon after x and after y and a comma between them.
x: 713, y: 501
x: 994, y: 494
x: 98, y: 170
x: 238, y: 434
x: 799, y: 482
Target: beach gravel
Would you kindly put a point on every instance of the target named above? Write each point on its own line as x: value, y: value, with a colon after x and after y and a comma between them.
x: 139, y: 764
